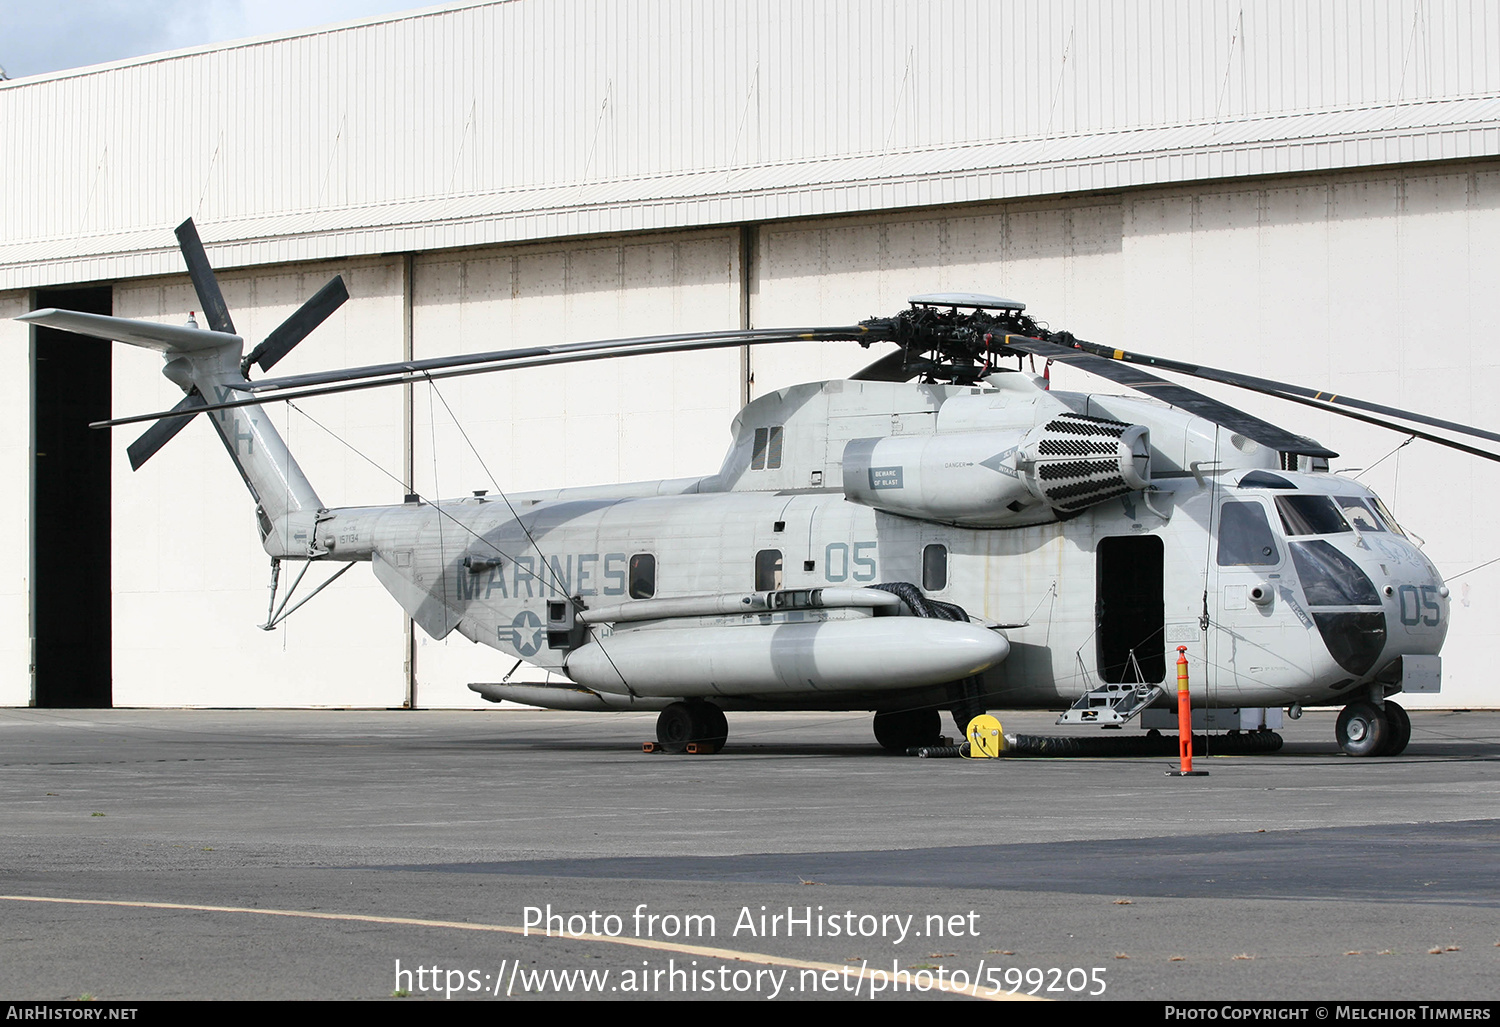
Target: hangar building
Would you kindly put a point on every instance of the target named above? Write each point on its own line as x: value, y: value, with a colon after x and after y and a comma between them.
x: 1304, y: 191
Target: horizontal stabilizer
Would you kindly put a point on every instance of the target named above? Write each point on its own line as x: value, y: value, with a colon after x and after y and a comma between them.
x: 161, y: 337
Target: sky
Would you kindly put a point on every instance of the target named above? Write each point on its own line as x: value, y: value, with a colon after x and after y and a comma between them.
x: 38, y: 36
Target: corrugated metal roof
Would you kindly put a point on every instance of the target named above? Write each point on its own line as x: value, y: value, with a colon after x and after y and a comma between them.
x: 488, y: 123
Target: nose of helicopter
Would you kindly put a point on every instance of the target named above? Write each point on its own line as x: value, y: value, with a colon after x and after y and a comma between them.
x: 1413, y: 595
x: 1374, y: 598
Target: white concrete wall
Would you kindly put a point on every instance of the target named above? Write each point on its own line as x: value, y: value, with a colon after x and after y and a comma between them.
x: 15, y: 469
x: 190, y: 576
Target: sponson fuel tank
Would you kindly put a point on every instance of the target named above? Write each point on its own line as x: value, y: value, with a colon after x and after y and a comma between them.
x: 869, y: 654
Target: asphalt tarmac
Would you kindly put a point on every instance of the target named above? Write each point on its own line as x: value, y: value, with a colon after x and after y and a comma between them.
x: 503, y: 855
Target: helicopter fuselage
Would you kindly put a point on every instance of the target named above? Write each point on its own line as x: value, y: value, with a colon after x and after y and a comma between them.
x: 1285, y: 587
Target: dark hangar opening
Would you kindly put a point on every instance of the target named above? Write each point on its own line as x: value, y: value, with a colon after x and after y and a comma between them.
x: 71, y: 575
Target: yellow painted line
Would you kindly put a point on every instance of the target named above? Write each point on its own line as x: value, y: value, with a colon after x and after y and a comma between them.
x: 706, y: 951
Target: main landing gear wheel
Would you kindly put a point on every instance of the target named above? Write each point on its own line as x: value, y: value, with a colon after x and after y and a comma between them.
x: 684, y: 722
x: 900, y: 730
x: 1400, y: 725
x: 1362, y: 729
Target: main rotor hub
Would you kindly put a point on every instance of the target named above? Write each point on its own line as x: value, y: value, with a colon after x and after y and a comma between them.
x: 955, y: 337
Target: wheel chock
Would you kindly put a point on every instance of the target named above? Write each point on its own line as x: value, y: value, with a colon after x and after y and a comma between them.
x: 653, y: 747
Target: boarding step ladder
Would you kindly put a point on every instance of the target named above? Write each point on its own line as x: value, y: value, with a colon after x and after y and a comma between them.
x: 1112, y: 704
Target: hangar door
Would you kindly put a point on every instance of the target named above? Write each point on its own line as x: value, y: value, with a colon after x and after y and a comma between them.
x: 70, y: 509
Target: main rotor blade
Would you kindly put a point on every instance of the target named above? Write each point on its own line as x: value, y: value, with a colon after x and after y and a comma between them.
x: 1287, y: 391
x: 536, y: 357
x: 709, y: 340
x: 204, y: 282
x: 163, y: 431
x: 1248, y: 425
x: 296, y: 328
x: 1403, y: 429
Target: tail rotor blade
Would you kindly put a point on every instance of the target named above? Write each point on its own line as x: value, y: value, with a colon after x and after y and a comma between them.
x: 204, y: 282
x: 163, y: 431
x: 296, y: 328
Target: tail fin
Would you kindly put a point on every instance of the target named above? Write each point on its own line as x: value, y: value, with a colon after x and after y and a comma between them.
x: 206, y: 365
x: 211, y: 366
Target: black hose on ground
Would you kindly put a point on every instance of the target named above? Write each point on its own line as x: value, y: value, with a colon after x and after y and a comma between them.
x: 1153, y: 743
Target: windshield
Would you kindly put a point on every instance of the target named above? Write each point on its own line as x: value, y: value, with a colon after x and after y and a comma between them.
x: 1360, y: 515
x: 1385, y: 515
x: 1310, y: 515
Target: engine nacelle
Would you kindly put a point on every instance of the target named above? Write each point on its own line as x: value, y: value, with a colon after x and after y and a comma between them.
x: 993, y: 479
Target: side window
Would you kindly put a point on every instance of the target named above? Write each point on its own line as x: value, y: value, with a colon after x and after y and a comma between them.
x: 766, y: 455
x: 934, y: 568
x: 773, y: 448
x: 767, y: 570
x: 1385, y: 515
x: 642, y: 576
x: 1245, y: 538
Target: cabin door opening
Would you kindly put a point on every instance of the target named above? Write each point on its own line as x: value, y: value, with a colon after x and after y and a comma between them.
x: 70, y: 517
x: 1130, y: 611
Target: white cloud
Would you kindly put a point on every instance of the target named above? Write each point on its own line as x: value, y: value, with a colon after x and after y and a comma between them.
x: 41, y: 37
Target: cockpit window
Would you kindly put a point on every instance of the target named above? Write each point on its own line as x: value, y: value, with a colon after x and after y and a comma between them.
x: 1359, y: 515
x: 1329, y: 578
x: 1245, y: 538
x: 1310, y: 515
x: 1385, y: 515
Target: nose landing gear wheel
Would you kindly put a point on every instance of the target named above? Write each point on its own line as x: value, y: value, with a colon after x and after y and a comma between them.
x: 684, y: 722
x: 1400, y: 725
x: 1362, y: 729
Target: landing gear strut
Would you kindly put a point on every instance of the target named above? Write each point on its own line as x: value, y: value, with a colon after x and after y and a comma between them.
x: 899, y: 730
x: 1365, y: 729
x: 684, y: 722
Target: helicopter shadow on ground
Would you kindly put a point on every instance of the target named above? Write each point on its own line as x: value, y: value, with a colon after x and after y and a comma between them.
x: 620, y: 743
x: 618, y: 746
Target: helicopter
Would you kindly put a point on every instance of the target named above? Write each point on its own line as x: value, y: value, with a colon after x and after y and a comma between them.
x: 938, y: 532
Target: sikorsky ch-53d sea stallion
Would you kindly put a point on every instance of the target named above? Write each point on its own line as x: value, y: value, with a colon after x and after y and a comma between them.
x: 938, y: 532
